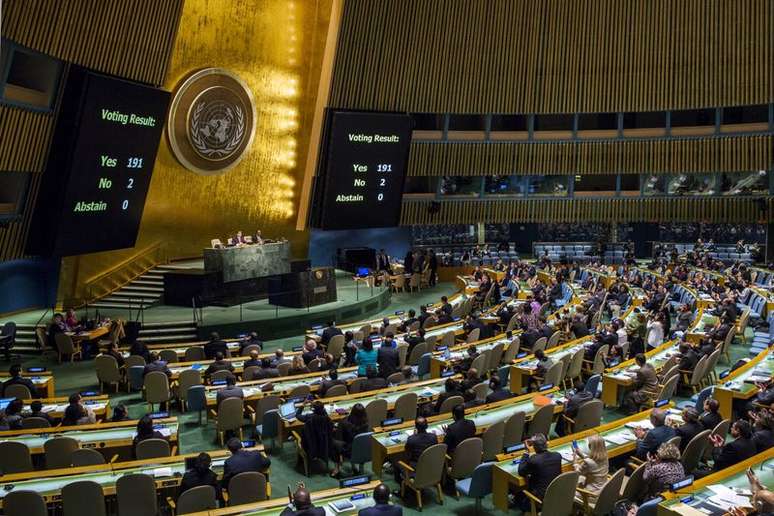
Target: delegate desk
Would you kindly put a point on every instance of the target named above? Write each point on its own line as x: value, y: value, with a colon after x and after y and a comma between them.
x: 619, y: 378
x: 526, y: 365
x: 43, y: 382
x: 181, y: 347
x: 107, y: 438
x: 338, y: 407
x: 619, y: 440
x: 358, y: 497
x: 281, y: 386
x: 55, y: 407
x: 699, y: 498
x: 166, y: 471
x: 443, y: 360
x: 388, y: 443
x: 740, y: 384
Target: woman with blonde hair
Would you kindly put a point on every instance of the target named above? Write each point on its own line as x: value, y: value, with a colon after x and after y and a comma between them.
x: 298, y: 366
x: 593, y: 468
x: 663, y: 469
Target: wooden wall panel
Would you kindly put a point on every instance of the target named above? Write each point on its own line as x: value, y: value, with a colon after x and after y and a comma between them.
x: 553, y: 56
x: 738, y: 210
x: 128, y: 38
x: 720, y: 154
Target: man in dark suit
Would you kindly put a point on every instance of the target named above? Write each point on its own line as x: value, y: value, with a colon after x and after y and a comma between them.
x: 710, y: 417
x: 538, y: 469
x: 310, y: 351
x: 648, y: 441
x: 382, y: 507
x: 412, y: 317
x: 416, y: 444
x: 156, y: 364
x: 219, y: 364
x: 446, y: 306
x: 251, y: 340
x: 242, y: 461
x: 460, y: 430
x: 253, y: 361
x: 266, y: 371
x: 574, y: 403
x: 214, y: 346
x: 734, y: 452
x: 332, y: 381
x: 579, y: 327
x: 302, y: 505
x: 423, y: 315
x: 498, y: 392
x: 450, y: 388
x: 230, y: 390
x: 688, y: 357
x: 18, y: 379
x: 690, y: 427
x: 387, y: 357
x: 329, y: 332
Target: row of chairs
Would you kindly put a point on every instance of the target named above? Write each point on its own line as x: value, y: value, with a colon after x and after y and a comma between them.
x: 136, y: 494
x: 64, y: 452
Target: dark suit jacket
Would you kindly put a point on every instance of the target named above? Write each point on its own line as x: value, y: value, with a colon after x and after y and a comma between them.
x: 688, y: 431
x: 213, y: 347
x: 458, y: 432
x: 222, y: 365
x: 311, y: 511
x: 733, y: 453
x: 192, y: 479
x: 235, y: 392
x: 328, y: 333
x: 688, y: 361
x: 308, y: 356
x: 710, y: 420
x: 653, y: 439
x: 539, y: 470
x: 327, y: 384
x: 388, y: 360
x: 158, y: 365
x: 579, y: 329
x: 382, y: 509
x: 575, y: 401
x: 242, y: 461
x: 417, y: 443
x: 763, y: 439
x: 498, y: 395
x: 372, y: 384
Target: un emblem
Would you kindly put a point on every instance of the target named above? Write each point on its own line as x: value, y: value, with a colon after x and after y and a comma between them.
x: 211, y: 121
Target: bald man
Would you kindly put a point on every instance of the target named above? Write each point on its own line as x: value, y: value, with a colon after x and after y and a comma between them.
x: 418, y: 442
x: 302, y: 505
x: 382, y: 507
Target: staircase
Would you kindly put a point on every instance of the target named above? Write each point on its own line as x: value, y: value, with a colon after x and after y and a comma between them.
x: 145, y: 290
x: 26, y: 342
x: 163, y: 332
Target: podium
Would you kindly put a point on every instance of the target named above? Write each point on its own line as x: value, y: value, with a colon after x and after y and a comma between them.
x: 304, y: 288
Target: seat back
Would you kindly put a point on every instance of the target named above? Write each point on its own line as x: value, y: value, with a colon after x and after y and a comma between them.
x: 449, y: 403
x: 265, y: 404
x: 197, y: 499
x: 721, y: 429
x: 423, y: 367
x: 14, y: 458
x: 514, y: 429
x: 465, y: 457
x: 699, y: 371
x: 481, y: 480
x: 24, y: 503
x: 509, y: 355
x: 156, y: 386
x: 356, y: 385
x: 480, y: 363
x: 249, y: 349
x: 592, y: 384
x: 196, y: 398
x: 17, y: 390
x: 361, y: 448
x: 608, y: 495
x: 554, y: 374
x: 231, y: 414
x: 430, y: 466
x: 539, y: 344
x: 136, y: 494
x: 493, y: 440
x: 134, y: 360
x: 553, y: 340
x: 589, y: 415
x: 64, y: 344
x: 247, y: 487
x: 395, y: 378
x: 376, y: 412
x: 560, y: 495
x: 576, y: 365
x: 599, y: 360
x: 107, y: 369
x: 284, y: 368
x: 58, y: 452
x: 152, y: 448
x: 83, y: 497
x: 694, y: 450
x: 271, y: 424
x: 86, y: 457
x: 473, y: 336
x: 336, y: 390
x: 336, y: 346
x: 168, y: 355
x: 187, y: 379
x: 635, y: 486
x: 419, y: 350
x: 541, y: 420
x: 481, y: 390
x: 35, y: 422
x: 219, y: 376
x: 402, y: 354
x: 496, y: 355
x: 194, y: 353
x: 299, y: 391
x: 447, y: 339
x: 406, y: 406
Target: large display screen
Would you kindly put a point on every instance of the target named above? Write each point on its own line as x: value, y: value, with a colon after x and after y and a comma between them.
x: 360, y: 179
x: 99, y: 166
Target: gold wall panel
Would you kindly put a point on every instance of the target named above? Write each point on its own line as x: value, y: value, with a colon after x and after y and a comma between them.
x: 739, y: 210
x: 553, y: 56
x: 716, y: 154
x: 275, y: 47
x: 127, y: 38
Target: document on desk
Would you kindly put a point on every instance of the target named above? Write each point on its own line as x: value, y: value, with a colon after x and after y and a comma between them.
x: 726, y: 498
x: 162, y: 472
